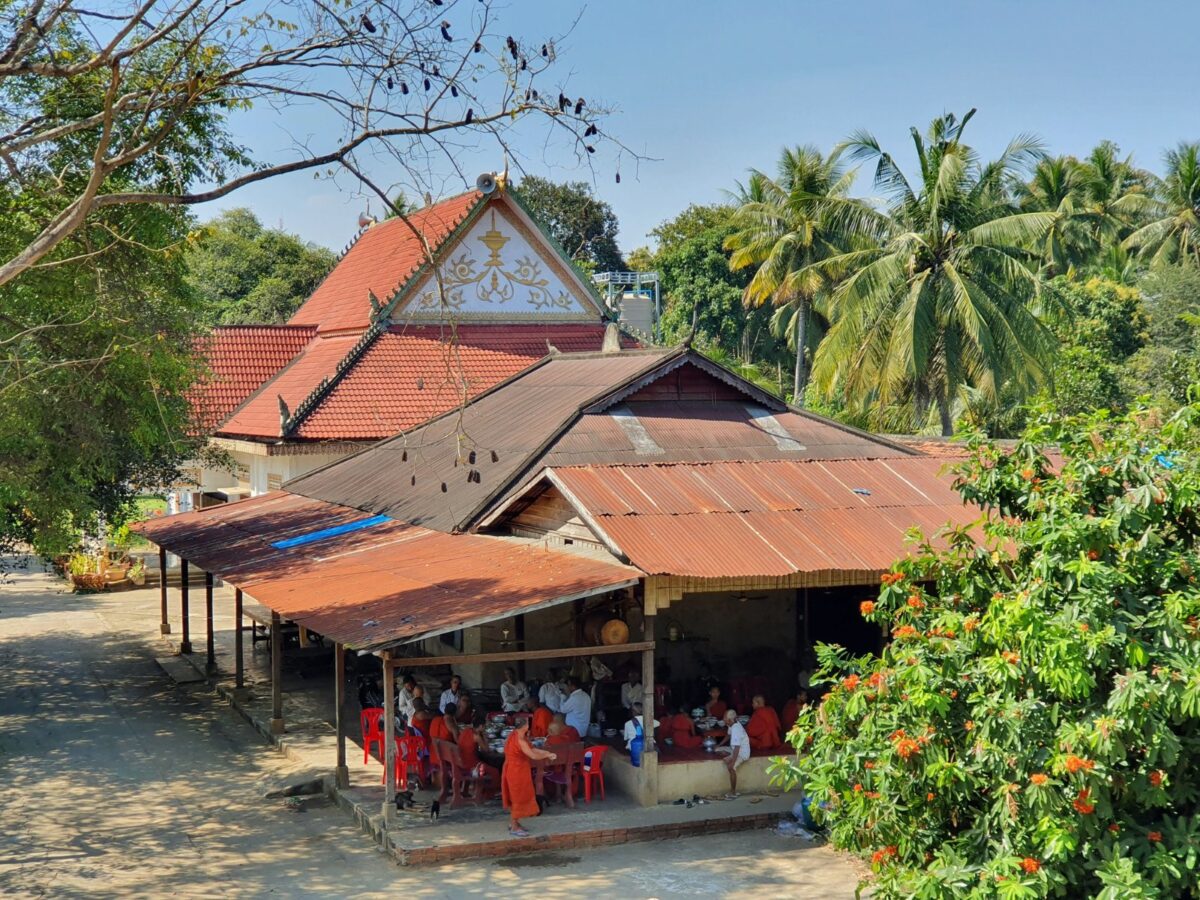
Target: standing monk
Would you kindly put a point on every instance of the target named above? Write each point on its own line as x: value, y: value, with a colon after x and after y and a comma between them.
x: 516, y: 781
x: 763, y: 728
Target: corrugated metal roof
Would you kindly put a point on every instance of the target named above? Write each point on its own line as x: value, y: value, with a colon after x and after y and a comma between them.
x: 573, y: 409
x: 425, y: 475
x: 378, y: 586
x: 762, y: 518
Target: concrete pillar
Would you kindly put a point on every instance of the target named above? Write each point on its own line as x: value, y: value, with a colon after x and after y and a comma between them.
x: 648, y: 770
x: 165, y: 625
x: 239, y: 676
x: 210, y: 647
x: 276, y: 675
x: 185, y: 642
x: 389, y: 739
x: 342, y: 772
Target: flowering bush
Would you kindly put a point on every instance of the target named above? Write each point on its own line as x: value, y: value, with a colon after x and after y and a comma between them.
x: 1033, y: 726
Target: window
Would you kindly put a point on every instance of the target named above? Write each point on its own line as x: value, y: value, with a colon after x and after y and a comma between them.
x: 453, y: 639
x: 274, y: 482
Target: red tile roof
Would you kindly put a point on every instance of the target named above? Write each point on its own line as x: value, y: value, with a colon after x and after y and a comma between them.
x: 412, y: 373
x: 259, y: 416
x: 766, y: 518
x: 382, y: 258
x: 240, y: 359
x: 381, y: 585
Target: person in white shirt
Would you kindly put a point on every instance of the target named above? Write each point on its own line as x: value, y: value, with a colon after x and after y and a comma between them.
x: 577, y: 707
x: 451, y: 694
x: 737, y: 744
x: 631, y: 690
x: 405, y: 697
x: 513, y: 693
x: 633, y: 727
x: 550, y: 694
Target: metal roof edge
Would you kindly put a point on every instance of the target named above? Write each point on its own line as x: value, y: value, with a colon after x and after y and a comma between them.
x: 857, y: 432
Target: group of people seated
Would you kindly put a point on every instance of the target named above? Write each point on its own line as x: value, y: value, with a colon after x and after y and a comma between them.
x: 764, y: 731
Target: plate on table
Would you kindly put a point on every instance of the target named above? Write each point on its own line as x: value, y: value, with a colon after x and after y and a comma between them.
x: 610, y: 732
x: 698, y: 712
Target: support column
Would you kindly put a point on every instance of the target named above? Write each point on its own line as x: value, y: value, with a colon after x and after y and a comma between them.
x: 389, y: 739
x: 276, y: 675
x: 210, y: 647
x: 239, y: 664
x: 519, y: 634
x: 165, y: 625
x: 342, y: 772
x: 648, y: 774
x: 185, y: 642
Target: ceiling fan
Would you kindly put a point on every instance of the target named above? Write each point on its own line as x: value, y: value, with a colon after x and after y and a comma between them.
x: 743, y: 597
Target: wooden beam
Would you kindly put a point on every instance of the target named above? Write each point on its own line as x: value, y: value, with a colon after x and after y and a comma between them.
x: 342, y: 772
x: 210, y: 647
x: 239, y: 664
x: 276, y: 675
x: 389, y: 739
x: 560, y: 653
x: 185, y: 642
x: 165, y: 625
x: 648, y: 688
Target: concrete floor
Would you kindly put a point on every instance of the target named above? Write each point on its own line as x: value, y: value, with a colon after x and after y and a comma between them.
x: 120, y: 783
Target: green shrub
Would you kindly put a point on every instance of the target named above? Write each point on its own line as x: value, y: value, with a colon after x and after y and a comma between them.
x: 1033, y: 726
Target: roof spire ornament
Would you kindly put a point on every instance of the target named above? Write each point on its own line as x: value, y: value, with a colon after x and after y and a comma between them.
x: 284, y: 414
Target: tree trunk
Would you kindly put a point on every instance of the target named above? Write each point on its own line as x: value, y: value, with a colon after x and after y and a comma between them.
x: 801, y: 380
x: 943, y: 405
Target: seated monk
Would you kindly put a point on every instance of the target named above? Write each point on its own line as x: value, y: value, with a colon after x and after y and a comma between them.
x: 715, y: 706
x: 470, y: 743
x: 542, y: 717
x: 445, y: 726
x: 791, y: 709
x: 763, y: 728
x: 573, y: 736
x: 558, y: 735
x: 683, y: 730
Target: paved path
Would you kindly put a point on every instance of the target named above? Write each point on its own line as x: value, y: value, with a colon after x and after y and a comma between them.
x: 117, y: 782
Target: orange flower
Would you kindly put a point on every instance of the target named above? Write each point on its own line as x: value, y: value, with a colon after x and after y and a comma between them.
x: 1114, y: 827
x: 868, y: 764
x: 1038, y: 778
x: 866, y: 607
x: 1156, y: 777
x: 969, y: 725
x: 1076, y: 764
x: 954, y: 695
x: 1093, y: 555
x: 1154, y: 837
x: 872, y: 795
x: 1081, y: 805
x: 1106, y: 470
x: 907, y: 748
x: 1027, y: 474
x: 915, y: 601
x: 1084, y: 626
x: 929, y: 796
x: 850, y: 683
x: 858, y: 788
x: 970, y: 624
x: 877, y: 680
x: 881, y: 856
x: 1030, y: 865
x: 904, y: 631
x: 1010, y: 657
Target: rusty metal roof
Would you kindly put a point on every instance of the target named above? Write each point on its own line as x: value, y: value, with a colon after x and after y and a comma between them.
x: 632, y: 406
x: 763, y: 518
x: 381, y: 585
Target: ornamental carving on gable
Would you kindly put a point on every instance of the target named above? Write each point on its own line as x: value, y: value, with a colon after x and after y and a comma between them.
x: 496, y: 281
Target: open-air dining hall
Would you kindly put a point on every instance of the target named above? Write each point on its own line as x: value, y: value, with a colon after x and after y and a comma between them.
x: 612, y: 567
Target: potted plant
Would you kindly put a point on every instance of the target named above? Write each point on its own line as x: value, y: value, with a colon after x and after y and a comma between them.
x: 87, y: 572
x: 137, y: 572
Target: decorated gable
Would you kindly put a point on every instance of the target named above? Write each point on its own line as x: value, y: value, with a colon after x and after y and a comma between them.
x: 501, y: 269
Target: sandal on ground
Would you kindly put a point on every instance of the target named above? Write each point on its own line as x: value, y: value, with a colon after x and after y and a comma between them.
x: 732, y: 796
x: 518, y: 832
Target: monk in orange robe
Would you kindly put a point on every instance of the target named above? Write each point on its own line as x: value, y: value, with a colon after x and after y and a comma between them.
x: 715, y: 706
x: 763, y: 728
x: 542, y: 717
x: 469, y: 744
x: 683, y: 730
x: 516, y: 781
x: 570, y: 735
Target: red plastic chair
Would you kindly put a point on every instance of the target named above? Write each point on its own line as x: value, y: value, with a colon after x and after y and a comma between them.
x: 593, y: 760
x: 372, y: 730
x: 412, y: 752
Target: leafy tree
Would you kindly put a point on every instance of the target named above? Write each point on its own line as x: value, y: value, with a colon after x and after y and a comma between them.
x: 785, y: 225
x: 950, y: 297
x: 246, y: 274
x: 585, y: 226
x: 1174, y: 234
x: 1033, y: 727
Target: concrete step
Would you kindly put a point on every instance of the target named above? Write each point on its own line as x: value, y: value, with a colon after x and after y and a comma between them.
x: 180, y: 670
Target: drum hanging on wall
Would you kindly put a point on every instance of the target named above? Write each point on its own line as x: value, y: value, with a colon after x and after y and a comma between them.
x: 614, y: 632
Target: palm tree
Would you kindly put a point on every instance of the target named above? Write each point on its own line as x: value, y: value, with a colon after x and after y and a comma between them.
x: 950, y: 298
x: 1173, y: 236
x: 1113, y: 197
x: 1055, y: 188
x: 785, y: 225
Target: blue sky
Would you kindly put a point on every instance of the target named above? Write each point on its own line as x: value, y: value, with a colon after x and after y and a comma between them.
x: 711, y: 89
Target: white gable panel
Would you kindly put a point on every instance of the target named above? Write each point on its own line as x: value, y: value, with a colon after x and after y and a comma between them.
x: 500, y: 270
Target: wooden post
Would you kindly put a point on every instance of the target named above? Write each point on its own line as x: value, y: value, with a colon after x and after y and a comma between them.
x: 519, y: 634
x: 342, y: 772
x: 210, y: 647
x: 648, y: 690
x: 276, y: 675
x: 239, y: 662
x: 185, y: 643
x: 165, y: 626
x: 389, y: 739
x: 648, y: 769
